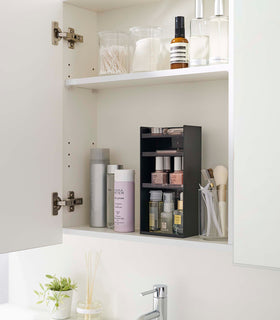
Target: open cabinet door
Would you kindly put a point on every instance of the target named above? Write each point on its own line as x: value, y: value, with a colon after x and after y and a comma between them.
x: 257, y: 147
x: 30, y: 124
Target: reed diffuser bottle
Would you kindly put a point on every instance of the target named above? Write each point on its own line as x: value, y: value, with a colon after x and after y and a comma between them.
x: 90, y: 309
x: 218, y: 33
x: 179, y: 47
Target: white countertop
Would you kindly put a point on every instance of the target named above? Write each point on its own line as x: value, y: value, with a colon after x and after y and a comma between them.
x: 13, y: 312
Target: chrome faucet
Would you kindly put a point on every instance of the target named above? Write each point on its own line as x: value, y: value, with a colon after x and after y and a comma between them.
x: 160, y: 303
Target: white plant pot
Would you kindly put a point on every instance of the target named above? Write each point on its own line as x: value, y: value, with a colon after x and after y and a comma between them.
x: 64, y: 309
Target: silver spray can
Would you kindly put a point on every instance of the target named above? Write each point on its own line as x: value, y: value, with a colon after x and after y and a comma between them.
x: 100, y: 158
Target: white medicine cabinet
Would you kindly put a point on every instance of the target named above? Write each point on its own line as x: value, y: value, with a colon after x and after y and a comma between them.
x: 54, y: 108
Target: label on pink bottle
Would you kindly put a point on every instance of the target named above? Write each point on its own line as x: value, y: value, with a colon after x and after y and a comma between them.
x: 124, y: 214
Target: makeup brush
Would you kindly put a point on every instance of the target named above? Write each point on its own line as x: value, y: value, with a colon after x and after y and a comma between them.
x: 211, y: 175
x: 221, y: 179
x: 221, y: 175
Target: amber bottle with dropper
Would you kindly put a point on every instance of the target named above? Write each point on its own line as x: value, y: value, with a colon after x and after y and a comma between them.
x: 179, y: 47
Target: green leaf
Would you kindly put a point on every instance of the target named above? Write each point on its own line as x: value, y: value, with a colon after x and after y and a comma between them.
x: 42, y: 286
x: 39, y: 302
x: 36, y: 292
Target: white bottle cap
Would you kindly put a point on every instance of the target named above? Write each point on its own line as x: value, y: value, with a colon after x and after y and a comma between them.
x: 156, y: 195
x: 159, y: 163
x: 168, y: 196
x: 111, y: 168
x: 166, y: 164
x: 199, y: 9
x: 219, y: 7
x: 124, y: 175
x: 177, y: 163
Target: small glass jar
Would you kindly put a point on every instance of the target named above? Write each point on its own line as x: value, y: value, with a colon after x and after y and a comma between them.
x: 93, y: 311
x: 113, y: 52
x: 146, y: 48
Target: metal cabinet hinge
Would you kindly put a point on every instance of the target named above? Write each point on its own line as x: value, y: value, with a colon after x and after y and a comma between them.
x: 70, y: 202
x: 70, y: 36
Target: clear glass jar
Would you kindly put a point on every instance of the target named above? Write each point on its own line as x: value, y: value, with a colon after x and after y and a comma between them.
x: 212, y: 216
x: 146, y: 49
x: 199, y: 43
x: 93, y: 311
x: 218, y: 35
x: 113, y: 52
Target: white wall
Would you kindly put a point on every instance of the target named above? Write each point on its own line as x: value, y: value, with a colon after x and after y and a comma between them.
x: 203, y: 283
x: 4, y: 271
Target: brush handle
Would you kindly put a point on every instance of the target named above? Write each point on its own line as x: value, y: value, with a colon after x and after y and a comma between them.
x: 222, y: 192
x: 223, y: 217
x: 222, y: 196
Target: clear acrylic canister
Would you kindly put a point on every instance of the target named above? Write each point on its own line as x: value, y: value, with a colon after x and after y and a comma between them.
x: 146, y: 48
x: 113, y: 52
x: 212, y: 216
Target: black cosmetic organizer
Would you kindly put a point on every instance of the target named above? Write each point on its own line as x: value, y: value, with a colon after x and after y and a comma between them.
x: 189, y: 142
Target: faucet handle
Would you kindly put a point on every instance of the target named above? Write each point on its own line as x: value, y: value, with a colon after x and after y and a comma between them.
x: 159, y: 291
x: 145, y: 293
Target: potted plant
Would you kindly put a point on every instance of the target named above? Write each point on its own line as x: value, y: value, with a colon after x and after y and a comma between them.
x: 57, y: 294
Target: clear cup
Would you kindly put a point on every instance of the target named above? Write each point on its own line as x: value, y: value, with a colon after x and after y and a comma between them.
x: 212, y: 215
x: 113, y: 52
x: 146, y: 48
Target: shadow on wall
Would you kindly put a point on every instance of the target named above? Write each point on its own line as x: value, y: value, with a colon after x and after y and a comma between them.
x: 4, y: 278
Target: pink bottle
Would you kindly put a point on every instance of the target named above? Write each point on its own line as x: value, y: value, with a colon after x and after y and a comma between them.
x: 124, y: 201
x: 159, y: 176
x: 177, y: 177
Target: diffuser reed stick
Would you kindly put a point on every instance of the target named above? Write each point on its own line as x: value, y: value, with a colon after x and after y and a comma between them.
x: 91, y: 276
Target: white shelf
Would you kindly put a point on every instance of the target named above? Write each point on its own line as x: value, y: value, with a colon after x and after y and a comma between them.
x: 136, y: 236
x: 104, y: 5
x: 206, y: 73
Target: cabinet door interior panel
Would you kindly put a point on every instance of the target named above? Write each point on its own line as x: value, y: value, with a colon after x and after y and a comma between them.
x: 256, y: 116
x: 79, y: 111
x: 30, y: 125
